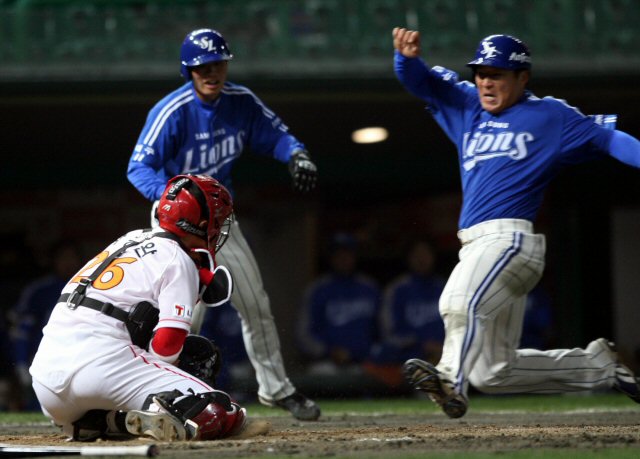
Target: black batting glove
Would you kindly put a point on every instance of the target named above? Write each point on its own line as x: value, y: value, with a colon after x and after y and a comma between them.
x: 303, y: 171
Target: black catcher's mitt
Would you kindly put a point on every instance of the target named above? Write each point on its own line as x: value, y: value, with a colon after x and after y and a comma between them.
x: 201, y: 358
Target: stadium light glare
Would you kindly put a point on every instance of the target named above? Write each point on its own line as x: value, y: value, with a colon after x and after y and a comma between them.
x: 370, y: 135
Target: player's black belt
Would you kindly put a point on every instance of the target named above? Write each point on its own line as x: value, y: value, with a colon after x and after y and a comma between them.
x: 105, y: 308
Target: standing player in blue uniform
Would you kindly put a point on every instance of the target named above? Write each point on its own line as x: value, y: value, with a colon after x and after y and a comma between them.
x: 510, y: 144
x: 202, y: 128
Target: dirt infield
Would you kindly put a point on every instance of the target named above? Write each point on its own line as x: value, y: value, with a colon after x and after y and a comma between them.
x: 395, y: 435
x: 392, y: 435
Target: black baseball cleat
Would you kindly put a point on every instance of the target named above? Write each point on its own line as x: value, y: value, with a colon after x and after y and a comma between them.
x: 300, y: 406
x: 626, y: 382
x: 424, y: 377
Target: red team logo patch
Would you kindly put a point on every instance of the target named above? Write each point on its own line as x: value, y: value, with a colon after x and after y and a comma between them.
x: 183, y: 312
x: 179, y: 310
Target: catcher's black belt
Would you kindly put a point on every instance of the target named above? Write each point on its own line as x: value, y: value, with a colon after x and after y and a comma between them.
x: 105, y: 308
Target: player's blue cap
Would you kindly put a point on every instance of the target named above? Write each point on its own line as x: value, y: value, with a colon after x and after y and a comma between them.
x: 201, y: 47
x: 502, y: 51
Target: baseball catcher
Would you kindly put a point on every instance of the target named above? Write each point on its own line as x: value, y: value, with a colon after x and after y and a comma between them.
x: 116, y: 357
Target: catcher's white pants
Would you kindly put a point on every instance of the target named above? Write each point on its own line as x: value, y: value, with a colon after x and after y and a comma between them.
x: 120, y: 377
x: 483, y: 306
x: 258, y: 327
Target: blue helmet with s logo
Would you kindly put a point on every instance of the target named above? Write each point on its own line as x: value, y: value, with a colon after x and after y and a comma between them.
x: 502, y: 51
x: 201, y: 47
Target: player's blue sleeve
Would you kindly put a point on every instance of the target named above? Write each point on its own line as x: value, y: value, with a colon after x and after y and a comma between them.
x: 577, y: 130
x: 625, y: 148
x: 412, y: 73
x: 437, y: 86
x: 155, y: 146
x: 269, y: 135
x: 146, y: 180
x: 447, y: 98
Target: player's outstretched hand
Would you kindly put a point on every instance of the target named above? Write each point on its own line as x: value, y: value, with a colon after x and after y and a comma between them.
x: 303, y: 171
x: 407, y: 42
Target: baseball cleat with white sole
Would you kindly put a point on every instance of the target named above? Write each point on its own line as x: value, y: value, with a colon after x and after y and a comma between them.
x: 424, y: 377
x: 159, y: 426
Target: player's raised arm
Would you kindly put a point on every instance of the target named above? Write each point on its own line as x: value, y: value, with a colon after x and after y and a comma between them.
x: 415, y: 75
x: 407, y: 42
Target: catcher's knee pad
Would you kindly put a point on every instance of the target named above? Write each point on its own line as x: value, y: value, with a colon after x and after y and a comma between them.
x: 206, y: 416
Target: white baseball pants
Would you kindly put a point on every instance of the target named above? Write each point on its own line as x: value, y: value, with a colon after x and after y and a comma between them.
x: 121, y: 377
x: 483, y: 306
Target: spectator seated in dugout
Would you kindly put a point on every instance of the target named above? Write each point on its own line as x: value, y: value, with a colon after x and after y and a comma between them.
x: 410, y: 320
x: 339, y: 315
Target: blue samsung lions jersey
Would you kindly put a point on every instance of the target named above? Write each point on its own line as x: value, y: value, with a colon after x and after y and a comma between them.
x: 184, y: 135
x: 506, y: 160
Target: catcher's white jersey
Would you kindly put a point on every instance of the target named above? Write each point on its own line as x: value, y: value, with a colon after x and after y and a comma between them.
x: 86, y: 359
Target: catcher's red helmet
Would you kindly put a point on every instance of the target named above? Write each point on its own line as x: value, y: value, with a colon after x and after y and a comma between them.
x: 189, y: 199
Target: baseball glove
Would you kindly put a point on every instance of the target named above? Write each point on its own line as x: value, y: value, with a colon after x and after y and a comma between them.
x: 303, y: 171
x: 201, y: 358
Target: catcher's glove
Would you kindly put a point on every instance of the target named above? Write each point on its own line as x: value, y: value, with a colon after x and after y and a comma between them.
x: 303, y: 171
x: 201, y: 358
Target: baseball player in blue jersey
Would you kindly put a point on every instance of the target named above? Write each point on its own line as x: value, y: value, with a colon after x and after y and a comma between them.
x: 202, y: 128
x: 510, y: 144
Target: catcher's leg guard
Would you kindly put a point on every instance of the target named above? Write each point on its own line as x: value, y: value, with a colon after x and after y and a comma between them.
x: 205, y: 416
x: 96, y: 424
